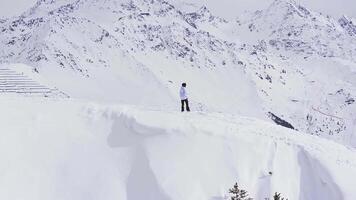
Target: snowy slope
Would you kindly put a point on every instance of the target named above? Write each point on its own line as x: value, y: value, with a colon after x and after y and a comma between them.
x: 285, y: 62
x: 306, y: 67
x: 19, y: 80
x: 75, y: 150
x: 140, y: 48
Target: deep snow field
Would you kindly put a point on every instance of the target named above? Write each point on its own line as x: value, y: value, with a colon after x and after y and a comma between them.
x: 75, y: 150
x: 89, y: 102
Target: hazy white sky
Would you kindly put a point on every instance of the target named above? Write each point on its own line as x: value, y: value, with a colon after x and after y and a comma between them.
x: 14, y: 7
x: 226, y: 8
x: 232, y: 8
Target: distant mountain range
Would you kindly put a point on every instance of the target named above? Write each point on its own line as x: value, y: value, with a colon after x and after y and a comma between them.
x: 285, y: 63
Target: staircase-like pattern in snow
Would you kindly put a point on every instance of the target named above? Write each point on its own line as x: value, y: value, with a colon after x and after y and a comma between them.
x: 12, y: 82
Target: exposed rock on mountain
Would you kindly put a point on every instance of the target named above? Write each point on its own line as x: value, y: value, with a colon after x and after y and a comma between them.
x: 286, y: 59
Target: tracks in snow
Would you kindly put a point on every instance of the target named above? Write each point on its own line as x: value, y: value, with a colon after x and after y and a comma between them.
x: 13, y: 82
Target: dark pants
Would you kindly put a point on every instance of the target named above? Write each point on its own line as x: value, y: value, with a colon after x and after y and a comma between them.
x: 186, y: 105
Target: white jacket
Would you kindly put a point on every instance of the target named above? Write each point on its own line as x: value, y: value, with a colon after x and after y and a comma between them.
x: 183, y: 93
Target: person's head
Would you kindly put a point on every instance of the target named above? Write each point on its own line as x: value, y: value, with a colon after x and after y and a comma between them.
x: 184, y: 84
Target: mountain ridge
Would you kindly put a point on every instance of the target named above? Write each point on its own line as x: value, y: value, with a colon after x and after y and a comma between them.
x: 268, y: 65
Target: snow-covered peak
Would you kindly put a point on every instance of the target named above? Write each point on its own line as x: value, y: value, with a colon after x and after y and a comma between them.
x: 202, y: 12
x: 285, y: 12
x: 288, y: 7
x: 348, y: 24
x: 44, y: 7
x: 2, y: 20
x: 290, y: 26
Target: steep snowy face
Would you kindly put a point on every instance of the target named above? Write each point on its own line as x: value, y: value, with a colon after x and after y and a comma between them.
x: 348, y: 25
x: 77, y: 151
x: 289, y: 26
x: 305, y: 64
x: 121, y: 27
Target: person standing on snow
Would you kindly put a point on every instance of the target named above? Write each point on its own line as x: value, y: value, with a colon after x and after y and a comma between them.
x: 184, y: 97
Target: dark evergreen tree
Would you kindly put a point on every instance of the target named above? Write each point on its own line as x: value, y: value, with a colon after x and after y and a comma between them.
x: 238, y: 194
x: 277, y: 196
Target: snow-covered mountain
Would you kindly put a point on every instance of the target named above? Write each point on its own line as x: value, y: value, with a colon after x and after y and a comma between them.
x: 285, y: 62
x: 309, y: 60
x: 289, y: 26
x: 144, y: 49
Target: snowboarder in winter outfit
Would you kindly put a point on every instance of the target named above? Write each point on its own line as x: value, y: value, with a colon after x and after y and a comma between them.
x: 184, y: 97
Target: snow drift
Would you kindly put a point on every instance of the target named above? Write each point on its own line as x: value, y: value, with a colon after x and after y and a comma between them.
x: 69, y: 149
x: 285, y: 62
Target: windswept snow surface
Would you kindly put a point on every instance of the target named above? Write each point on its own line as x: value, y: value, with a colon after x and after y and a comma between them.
x: 67, y: 149
x: 285, y: 64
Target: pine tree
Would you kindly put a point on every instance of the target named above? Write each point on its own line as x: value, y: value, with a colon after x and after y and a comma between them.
x: 277, y: 196
x: 238, y: 194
